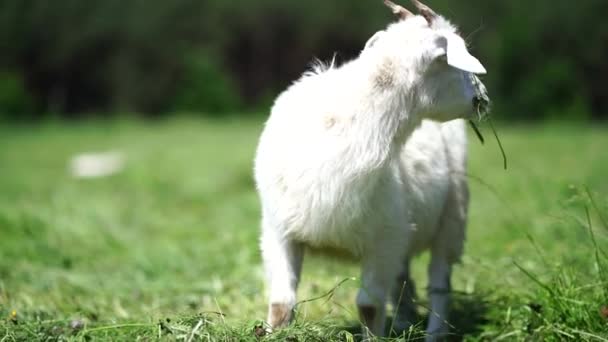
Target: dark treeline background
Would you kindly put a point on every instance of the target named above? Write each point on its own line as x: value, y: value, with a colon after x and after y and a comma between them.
x: 546, y: 58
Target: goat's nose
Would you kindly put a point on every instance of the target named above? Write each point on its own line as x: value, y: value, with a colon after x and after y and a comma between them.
x: 481, y: 100
x: 481, y: 105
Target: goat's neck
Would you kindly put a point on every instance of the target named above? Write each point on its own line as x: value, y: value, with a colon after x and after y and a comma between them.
x: 390, y: 119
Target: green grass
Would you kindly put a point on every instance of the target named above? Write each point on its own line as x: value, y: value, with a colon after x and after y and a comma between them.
x: 168, y: 248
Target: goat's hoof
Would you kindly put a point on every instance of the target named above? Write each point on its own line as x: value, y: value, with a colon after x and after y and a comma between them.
x: 398, y: 327
x: 436, y: 336
x: 280, y: 315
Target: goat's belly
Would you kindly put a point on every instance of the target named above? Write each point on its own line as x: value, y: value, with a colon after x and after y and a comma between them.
x: 333, y: 252
x: 331, y: 228
x: 343, y: 218
x: 323, y: 215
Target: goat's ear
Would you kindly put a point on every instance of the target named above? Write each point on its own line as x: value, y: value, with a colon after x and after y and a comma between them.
x: 459, y: 57
x: 372, y: 41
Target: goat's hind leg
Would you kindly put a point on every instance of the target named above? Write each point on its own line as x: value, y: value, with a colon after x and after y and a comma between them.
x: 403, y: 298
x: 446, y: 250
x: 283, y: 264
x: 380, y: 265
x: 439, y: 296
x: 371, y: 299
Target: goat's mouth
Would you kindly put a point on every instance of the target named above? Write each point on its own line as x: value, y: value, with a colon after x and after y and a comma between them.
x: 481, y: 106
x: 481, y: 100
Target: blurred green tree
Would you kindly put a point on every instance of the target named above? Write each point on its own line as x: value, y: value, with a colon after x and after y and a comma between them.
x: 14, y: 99
x: 546, y: 58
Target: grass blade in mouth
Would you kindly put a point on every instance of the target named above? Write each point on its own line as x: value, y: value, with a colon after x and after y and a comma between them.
x: 481, y: 139
x: 502, y: 150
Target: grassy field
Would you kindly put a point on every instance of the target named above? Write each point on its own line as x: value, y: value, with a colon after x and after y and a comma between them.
x: 168, y: 248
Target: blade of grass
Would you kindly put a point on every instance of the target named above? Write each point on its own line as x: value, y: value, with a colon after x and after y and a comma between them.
x: 537, y: 248
x: 534, y: 279
x: 477, y: 132
x: 596, y: 207
x: 329, y: 293
x: 116, y: 326
x: 502, y: 150
x: 584, y: 333
x: 596, y: 249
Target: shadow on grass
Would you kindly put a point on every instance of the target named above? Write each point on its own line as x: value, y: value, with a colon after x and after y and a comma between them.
x: 467, y: 317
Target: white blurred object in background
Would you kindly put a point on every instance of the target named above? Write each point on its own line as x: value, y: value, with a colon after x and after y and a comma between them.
x: 95, y: 165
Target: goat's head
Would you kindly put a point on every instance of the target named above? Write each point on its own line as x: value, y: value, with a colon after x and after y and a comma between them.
x: 433, y: 60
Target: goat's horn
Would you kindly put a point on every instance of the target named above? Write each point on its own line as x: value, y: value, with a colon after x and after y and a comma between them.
x: 425, y: 11
x: 399, y: 11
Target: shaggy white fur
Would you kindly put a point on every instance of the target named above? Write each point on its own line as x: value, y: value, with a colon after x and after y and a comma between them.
x: 347, y: 162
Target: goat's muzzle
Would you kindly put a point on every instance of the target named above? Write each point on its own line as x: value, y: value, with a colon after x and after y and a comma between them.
x: 481, y: 101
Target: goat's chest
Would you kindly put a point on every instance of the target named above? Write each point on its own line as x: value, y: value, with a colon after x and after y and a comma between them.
x: 344, y: 212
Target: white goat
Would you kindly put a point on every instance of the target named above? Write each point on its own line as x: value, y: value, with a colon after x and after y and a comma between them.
x: 346, y: 162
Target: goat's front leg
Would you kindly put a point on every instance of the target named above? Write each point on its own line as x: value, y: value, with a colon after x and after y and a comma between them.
x: 439, y: 294
x: 283, y: 264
